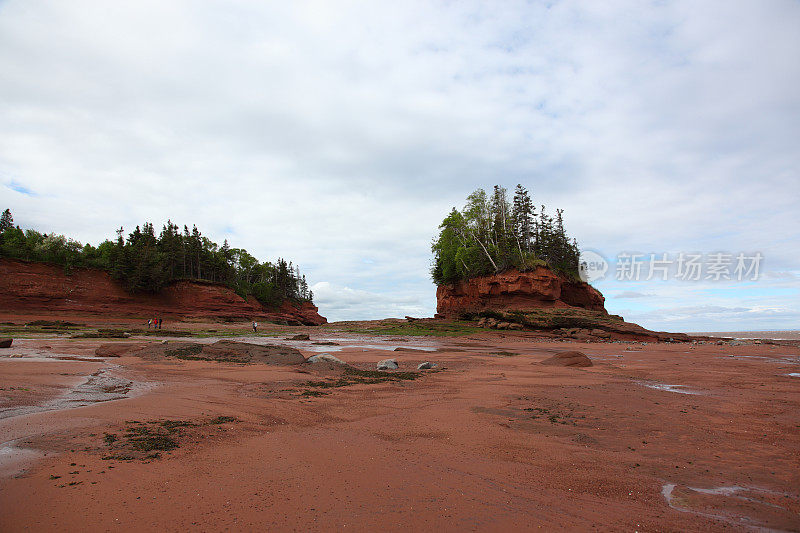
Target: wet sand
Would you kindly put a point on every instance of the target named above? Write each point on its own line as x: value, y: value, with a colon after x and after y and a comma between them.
x: 657, y: 437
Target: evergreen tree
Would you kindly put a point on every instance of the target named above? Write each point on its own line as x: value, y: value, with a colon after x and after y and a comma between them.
x: 523, y: 216
x: 6, y: 221
x: 145, y: 262
x: 489, y: 236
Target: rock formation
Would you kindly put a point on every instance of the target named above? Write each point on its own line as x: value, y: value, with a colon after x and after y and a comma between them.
x: 325, y: 357
x: 43, y: 288
x: 544, y: 301
x: 516, y: 291
x: 574, y: 359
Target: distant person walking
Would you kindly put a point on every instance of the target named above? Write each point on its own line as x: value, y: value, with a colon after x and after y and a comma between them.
x: 255, y: 327
x: 160, y: 322
x: 149, y: 321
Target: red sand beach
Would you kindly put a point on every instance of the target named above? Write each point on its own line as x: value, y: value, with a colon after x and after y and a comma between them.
x: 655, y: 437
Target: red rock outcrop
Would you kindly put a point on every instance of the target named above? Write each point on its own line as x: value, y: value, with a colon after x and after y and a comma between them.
x: 43, y: 288
x: 571, y: 359
x: 516, y: 291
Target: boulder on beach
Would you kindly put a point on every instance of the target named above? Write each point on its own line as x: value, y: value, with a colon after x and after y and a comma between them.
x: 426, y: 365
x: 321, y: 357
x: 6, y: 343
x: 575, y: 359
x: 300, y: 337
x: 388, y: 364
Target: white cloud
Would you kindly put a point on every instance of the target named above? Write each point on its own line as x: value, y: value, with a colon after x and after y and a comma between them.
x: 330, y: 133
x: 345, y: 303
x: 633, y: 294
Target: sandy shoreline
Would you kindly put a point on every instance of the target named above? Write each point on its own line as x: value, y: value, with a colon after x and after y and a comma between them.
x: 660, y: 437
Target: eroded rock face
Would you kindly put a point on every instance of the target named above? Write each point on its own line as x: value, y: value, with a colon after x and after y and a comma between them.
x: 516, y: 291
x: 299, y: 314
x: 43, y: 288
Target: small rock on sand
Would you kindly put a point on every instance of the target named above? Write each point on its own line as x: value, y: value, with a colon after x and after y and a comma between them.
x: 300, y: 337
x: 387, y: 364
x: 320, y: 357
x: 6, y: 343
x: 568, y: 359
x: 426, y: 365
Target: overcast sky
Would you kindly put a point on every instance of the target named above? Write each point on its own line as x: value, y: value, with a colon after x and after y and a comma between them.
x: 339, y: 134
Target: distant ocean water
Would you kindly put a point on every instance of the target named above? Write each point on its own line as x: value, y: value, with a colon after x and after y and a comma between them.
x: 786, y: 335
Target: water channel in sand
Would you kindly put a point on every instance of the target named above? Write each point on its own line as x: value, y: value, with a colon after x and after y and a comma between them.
x: 732, y: 503
x: 100, y: 386
x: 345, y: 342
x: 680, y: 389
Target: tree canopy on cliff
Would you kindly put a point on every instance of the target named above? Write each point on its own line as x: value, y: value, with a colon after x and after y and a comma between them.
x: 489, y: 235
x: 146, y: 262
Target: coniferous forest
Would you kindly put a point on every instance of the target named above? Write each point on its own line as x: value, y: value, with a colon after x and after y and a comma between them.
x: 144, y: 261
x: 490, y: 235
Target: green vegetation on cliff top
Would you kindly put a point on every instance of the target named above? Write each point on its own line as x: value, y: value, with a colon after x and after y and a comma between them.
x: 490, y: 235
x: 144, y: 262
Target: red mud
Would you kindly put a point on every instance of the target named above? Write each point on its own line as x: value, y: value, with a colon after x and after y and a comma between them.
x: 494, y: 441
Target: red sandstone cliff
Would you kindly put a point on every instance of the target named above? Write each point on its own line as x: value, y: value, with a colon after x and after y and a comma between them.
x: 39, y: 287
x: 516, y: 291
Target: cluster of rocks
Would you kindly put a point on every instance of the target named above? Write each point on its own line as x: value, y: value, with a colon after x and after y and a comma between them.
x: 391, y: 364
x: 583, y: 333
x: 493, y: 323
x: 386, y: 364
x: 741, y: 342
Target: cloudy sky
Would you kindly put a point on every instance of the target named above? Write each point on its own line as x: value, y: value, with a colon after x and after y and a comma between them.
x: 338, y: 134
